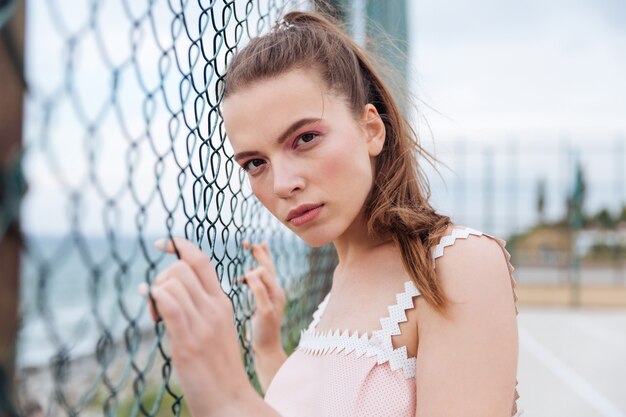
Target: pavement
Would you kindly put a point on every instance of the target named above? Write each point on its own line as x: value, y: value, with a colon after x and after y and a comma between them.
x: 572, y: 362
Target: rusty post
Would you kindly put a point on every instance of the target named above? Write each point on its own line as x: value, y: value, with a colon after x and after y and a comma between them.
x: 12, y: 89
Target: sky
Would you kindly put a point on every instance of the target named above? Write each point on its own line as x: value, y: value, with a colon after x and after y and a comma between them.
x: 543, y: 68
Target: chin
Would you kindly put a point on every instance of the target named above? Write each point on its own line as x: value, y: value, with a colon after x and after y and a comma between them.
x: 317, y: 243
x: 316, y: 240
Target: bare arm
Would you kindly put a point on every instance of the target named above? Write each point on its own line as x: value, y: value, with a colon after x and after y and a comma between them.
x: 267, y: 365
x: 467, y: 360
x: 246, y: 405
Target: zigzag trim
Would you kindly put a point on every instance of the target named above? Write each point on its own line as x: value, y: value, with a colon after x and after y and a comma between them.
x: 379, y: 344
x: 317, y: 315
x: 449, y: 240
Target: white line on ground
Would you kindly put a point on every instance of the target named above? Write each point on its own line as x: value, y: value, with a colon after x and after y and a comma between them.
x: 566, y: 374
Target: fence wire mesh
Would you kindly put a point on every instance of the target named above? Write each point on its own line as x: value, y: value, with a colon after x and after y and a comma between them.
x: 124, y: 145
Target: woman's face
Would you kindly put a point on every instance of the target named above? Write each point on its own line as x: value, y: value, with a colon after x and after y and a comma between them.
x: 309, y: 160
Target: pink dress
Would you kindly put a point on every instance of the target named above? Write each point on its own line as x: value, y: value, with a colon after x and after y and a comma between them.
x: 341, y: 374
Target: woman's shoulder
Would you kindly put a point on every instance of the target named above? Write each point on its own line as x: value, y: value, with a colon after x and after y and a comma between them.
x: 471, y: 264
x: 476, y: 337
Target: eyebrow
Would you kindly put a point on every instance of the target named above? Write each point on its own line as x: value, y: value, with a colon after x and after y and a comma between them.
x: 283, y: 137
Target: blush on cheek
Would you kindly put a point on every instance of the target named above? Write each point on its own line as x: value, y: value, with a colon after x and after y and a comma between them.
x: 348, y: 169
x: 332, y: 166
x: 341, y: 178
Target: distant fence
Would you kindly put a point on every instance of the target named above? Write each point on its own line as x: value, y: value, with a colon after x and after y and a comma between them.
x: 495, y: 185
x: 559, y: 201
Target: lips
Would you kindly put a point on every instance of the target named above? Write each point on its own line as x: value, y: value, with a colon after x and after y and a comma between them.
x: 300, y: 210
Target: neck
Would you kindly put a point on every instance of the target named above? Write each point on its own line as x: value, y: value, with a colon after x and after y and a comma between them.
x: 355, y: 248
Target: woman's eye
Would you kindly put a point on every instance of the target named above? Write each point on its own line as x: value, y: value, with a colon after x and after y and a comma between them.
x: 307, y: 137
x: 252, y: 164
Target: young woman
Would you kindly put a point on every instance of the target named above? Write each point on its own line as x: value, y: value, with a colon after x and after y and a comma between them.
x: 422, y: 318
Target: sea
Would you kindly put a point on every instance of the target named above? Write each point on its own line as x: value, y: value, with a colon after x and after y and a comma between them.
x: 73, y: 289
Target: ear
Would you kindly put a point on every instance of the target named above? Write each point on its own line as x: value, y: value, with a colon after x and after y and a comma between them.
x: 374, y: 129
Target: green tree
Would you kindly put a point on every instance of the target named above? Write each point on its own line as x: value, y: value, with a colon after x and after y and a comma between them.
x: 576, y: 200
x: 541, y: 200
x: 603, y: 219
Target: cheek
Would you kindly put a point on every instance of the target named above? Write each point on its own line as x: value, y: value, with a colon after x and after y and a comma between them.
x: 264, y: 194
x: 331, y: 167
x: 349, y: 167
x: 259, y: 191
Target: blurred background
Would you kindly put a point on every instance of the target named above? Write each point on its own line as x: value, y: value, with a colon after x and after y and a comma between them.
x: 110, y: 138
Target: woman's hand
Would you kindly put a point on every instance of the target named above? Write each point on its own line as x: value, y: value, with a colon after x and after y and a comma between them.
x: 199, y: 320
x: 269, y: 299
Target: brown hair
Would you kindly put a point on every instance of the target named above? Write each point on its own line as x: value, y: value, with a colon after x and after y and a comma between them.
x: 397, y: 206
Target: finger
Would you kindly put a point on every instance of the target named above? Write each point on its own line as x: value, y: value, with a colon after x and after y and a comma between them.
x: 172, y: 313
x: 266, y: 248
x: 245, y: 244
x: 197, y: 260
x: 261, y: 296
x: 164, y: 275
x: 263, y: 256
x: 187, y: 277
x: 271, y: 286
x: 184, y: 301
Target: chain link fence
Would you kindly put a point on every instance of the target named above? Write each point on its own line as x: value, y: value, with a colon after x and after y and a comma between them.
x: 124, y: 145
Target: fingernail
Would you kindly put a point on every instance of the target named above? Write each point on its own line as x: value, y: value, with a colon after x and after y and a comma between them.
x: 143, y: 289
x: 160, y: 244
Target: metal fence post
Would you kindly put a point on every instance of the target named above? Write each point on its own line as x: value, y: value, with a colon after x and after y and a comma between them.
x: 620, y: 195
x: 11, y: 190
x: 489, y: 191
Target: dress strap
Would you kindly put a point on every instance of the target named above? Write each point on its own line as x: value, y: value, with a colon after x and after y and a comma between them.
x: 448, y: 240
x: 464, y: 233
x: 378, y: 345
x: 397, y: 357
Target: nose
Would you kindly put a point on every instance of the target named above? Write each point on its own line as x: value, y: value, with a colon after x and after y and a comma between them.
x: 288, y: 179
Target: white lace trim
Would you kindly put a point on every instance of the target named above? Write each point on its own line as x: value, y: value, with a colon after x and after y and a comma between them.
x: 318, y: 313
x: 379, y: 344
x: 448, y: 240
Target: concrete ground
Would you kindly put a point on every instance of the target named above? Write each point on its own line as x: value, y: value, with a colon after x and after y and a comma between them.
x: 572, y: 362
